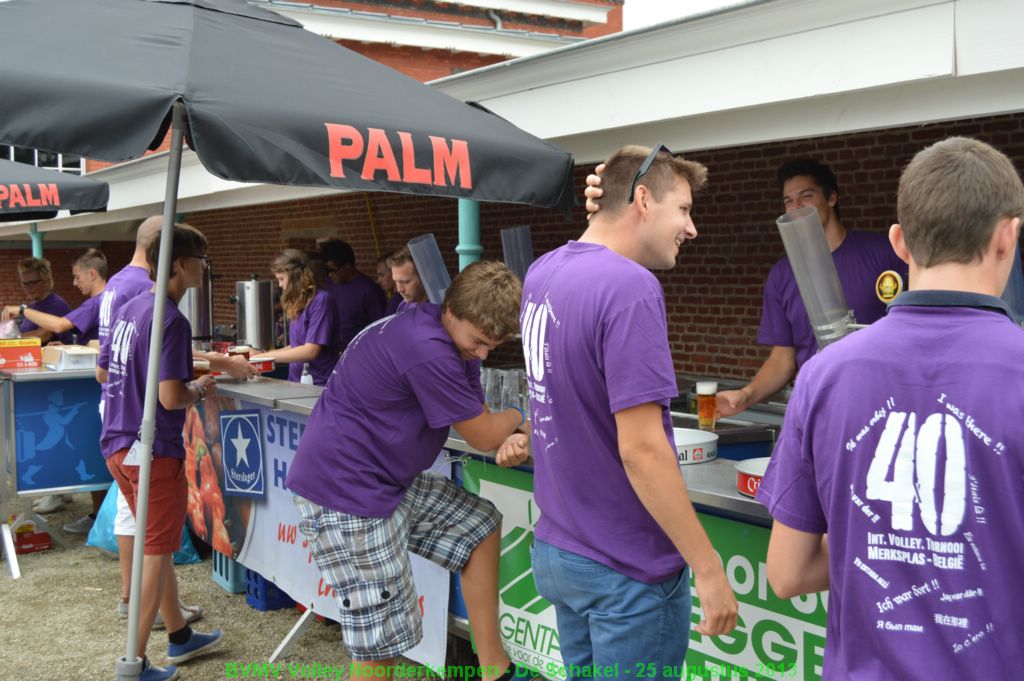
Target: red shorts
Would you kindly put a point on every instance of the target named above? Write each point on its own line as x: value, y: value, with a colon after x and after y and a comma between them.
x: 168, y: 499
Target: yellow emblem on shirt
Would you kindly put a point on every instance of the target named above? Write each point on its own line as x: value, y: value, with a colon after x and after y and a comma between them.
x: 888, y: 285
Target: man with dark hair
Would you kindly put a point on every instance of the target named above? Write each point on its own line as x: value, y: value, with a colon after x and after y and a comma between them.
x: 358, y: 300
x: 900, y: 444
x: 123, y: 368
x: 387, y: 284
x: 131, y: 281
x: 359, y: 470
x: 860, y: 259
x: 601, y: 377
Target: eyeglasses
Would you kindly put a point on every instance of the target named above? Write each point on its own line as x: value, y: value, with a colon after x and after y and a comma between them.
x: 30, y: 284
x: 644, y: 167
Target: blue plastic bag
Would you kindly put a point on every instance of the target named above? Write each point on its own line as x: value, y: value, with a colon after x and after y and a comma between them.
x: 102, y: 533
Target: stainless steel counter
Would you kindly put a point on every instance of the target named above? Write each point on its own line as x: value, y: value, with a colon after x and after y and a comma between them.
x: 711, y: 485
x: 269, y: 392
x: 43, y: 374
x: 298, y: 405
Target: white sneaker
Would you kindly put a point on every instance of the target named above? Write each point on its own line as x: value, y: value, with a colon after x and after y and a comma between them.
x: 80, y: 526
x: 190, y: 613
x: 48, y: 504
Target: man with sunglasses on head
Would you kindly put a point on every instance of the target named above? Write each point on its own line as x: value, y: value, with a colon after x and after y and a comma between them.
x: 601, y: 376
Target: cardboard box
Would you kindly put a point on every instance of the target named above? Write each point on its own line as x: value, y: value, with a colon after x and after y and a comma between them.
x: 32, y: 542
x: 67, y: 357
x: 20, y: 353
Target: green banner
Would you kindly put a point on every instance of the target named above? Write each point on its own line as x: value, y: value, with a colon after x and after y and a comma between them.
x: 773, y: 639
x: 526, y: 621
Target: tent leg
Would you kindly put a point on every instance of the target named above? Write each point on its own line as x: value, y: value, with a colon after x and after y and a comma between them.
x: 129, y: 667
x: 293, y: 635
x: 469, y: 248
x: 37, y: 240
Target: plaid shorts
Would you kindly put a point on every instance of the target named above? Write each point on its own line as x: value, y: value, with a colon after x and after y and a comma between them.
x: 366, y: 560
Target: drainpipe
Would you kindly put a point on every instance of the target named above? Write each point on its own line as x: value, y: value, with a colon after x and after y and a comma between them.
x: 469, y: 248
x: 495, y: 18
x: 37, y: 240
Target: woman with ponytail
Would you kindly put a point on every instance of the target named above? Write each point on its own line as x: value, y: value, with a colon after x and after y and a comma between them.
x: 312, y: 319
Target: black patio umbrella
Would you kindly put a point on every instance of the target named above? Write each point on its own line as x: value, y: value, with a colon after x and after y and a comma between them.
x: 265, y: 101
x: 31, y: 193
x: 260, y: 100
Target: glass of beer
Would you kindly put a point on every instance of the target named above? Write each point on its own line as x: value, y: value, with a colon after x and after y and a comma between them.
x: 200, y: 367
x: 706, y: 404
x: 240, y: 350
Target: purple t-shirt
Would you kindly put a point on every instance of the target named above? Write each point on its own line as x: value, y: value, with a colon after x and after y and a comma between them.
x: 902, y: 443
x: 360, y: 302
x: 404, y: 305
x: 385, y: 415
x: 393, y: 304
x: 86, y: 318
x: 125, y: 356
x: 595, y: 339
x: 122, y: 287
x: 51, y: 304
x: 318, y: 323
x: 859, y: 260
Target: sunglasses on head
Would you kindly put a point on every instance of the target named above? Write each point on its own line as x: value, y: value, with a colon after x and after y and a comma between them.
x: 644, y: 167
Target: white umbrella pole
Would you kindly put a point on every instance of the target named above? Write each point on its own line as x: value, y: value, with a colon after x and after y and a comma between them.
x: 129, y: 667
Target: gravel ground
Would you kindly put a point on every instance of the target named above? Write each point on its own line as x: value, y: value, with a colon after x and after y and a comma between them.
x: 58, y: 621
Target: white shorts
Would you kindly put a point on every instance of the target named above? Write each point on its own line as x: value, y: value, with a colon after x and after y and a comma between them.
x: 124, y: 521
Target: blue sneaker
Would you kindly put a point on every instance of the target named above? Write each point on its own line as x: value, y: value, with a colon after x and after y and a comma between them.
x: 195, y: 646
x: 151, y: 672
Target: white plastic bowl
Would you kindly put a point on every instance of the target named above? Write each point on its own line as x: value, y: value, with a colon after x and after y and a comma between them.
x: 695, y: 446
x: 749, y: 474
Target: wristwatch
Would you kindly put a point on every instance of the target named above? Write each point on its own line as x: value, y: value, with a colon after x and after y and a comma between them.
x: 201, y: 389
x: 21, y: 309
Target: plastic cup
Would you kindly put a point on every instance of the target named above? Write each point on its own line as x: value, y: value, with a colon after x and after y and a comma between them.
x: 517, y: 247
x: 430, y: 267
x: 707, y: 392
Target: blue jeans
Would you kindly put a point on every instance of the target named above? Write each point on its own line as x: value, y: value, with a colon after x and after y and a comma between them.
x: 606, y: 618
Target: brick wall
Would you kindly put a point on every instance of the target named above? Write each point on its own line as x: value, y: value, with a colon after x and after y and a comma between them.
x: 713, y: 296
x: 421, y: 64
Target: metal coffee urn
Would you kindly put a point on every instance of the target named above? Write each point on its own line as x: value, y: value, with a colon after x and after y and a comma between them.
x: 197, y: 306
x: 255, y: 304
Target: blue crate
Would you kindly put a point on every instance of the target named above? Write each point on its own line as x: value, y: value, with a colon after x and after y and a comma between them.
x: 262, y: 594
x: 228, y: 573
